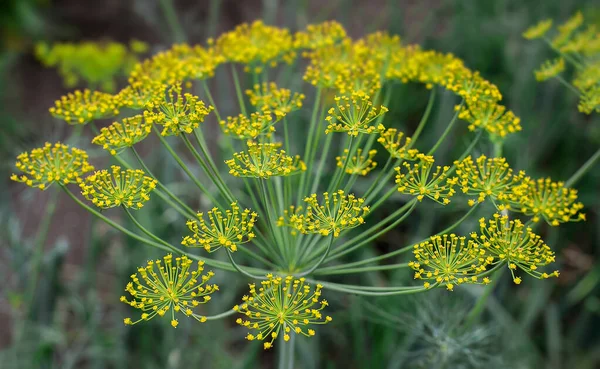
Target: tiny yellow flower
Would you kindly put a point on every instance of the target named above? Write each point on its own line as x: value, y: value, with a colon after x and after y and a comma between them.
x: 52, y: 163
x: 539, y: 30
x: 121, y: 135
x: 319, y: 35
x: 396, y: 143
x: 550, y: 69
x: 163, y: 288
x: 243, y: 127
x: 418, y: 180
x: 268, y: 97
x: 492, y: 117
x: 130, y: 188
x: 359, y: 164
x: 353, y: 114
x: 264, y: 161
x: 229, y: 230
x: 281, y: 306
x: 81, y: 107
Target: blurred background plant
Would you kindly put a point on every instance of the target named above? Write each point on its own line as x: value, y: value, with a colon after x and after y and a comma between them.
x: 61, y: 306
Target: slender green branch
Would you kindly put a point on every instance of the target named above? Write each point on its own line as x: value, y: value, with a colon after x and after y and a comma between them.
x: 238, y: 89
x: 424, y: 118
x: 321, y: 260
x: 589, y: 164
x: 170, y: 13
x: 226, y: 314
x: 479, y: 306
x: 362, y: 269
x: 240, y: 270
x: 447, y: 131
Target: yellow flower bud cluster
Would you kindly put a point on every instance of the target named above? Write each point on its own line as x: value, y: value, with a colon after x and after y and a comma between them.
x: 129, y: 188
x: 81, y: 107
x: 449, y: 260
x: 120, y: 135
x: 227, y: 230
x: 487, y: 178
x: 578, y: 46
x: 353, y: 114
x: 264, y: 160
x: 509, y: 241
x: 319, y: 35
x: 281, y: 306
x: 140, y: 93
x: 166, y: 288
x: 52, y: 163
x: 418, y: 180
x: 492, y: 117
x: 396, y: 143
x: 338, y: 212
x: 256, y: 45
x: 268, y: 97
x: 544, y: 198
x: 97, y: 64
x: 178, y: 113
x: 243, y: 127
x: 358, y: 164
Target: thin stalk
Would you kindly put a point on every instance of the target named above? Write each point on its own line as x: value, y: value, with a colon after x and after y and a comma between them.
x: 238, y: 89
x: 424, y: 118
x: 313, y: 122
x: 479, y: 306
x: 170, y: 13
x: 286, y: 353
x: 211, y: 164
x: 222, y: 315
x: 210, y: 99
x: 340, y: 288
x: 589, y: 164
x: 321, y: 260
x: 146, y: 231
x: 447, y: 131
x: 362, y: 270
x: 324, y: 155
x: 240, y: 270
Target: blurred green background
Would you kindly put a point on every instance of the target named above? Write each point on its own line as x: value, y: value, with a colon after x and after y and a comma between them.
x: 75, y: 320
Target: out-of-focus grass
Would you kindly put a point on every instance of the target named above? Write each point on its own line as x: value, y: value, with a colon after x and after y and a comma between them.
x: 76, y: 320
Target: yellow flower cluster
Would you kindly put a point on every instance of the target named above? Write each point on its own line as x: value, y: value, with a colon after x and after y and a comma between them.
x: 268, y: 97
x: 421, y: 182
x: 256, y: 45
x: 492, y: 117
x: 81, y: 107
x: 264, y: 161
x: 353, y: 114
x: 178, y: 113
x: 581, y: 48
x: 281, y: 305
x: 129, y: 188
x: 319, y: 35
x: 396, y: 144
x: 127, y: 133
x: 544, y: 198
x: 97, y: 64
x: 52, y: 163
x: 509, y: 241
x: 358, y: 164
x: 162, y: 287
x: 229, y: 230
x: 140, y: 93
x: 487, y: 178
x: 449, y: 260
x: 337, y: 213
x: 245, y: 128
x: 550, y: 69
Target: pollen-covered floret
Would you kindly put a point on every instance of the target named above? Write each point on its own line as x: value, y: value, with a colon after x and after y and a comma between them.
x: 487, y: 178
x: 178, y: 112
x: 120, y: 135
x: 396, y: 143
x: 139, y: 93
x: 264, y: 161
x: 130, y: 188
x: 510, y: 242
x: 52, y: 163
x: 227, y: 230
x: 544, y: 198
x: 353, y: 114
x: 319, y: 35
x: 449, y: 260
x: 243, y: 127
x: 538, y: 30
x: 492, y: 117
x: 163, y: 288
x: 268, y: 97
x: 359, y: 164
x: 81, y: 107
x: 418, y: 180
x: 550, y: 69
x: 337, y: 212
x: 281, y: 306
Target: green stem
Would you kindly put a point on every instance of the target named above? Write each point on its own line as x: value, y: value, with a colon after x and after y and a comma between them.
x: 168, y: 9
x: 238, y: 89
x: 447, y: 131
x: 479, y: 306
x: 210, y: 99
x: 146, y: 231
x: 321, y: 260
x: 424, y: 118
x: 391, y: 292
x: 362, y: 270
x: 286, y: 352
x: 583, y: 170
x: 307, y: 149
x: 240, y: 270
x: 222, y: 315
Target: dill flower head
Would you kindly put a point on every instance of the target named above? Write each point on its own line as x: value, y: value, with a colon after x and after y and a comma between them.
x: 264, y: 161
x: 487, y: 178
x: 281, y: 306
x: 508, y: 241
x: 359, y: 164
x: 585, y: 42
x: 543, y: 198
x: 450, y: 261
x: 81, y: 107
x: 256, y: 45
x: 418, y: 180
x: 539, y: 30
x: 319, y: 35
x: 120, y: 135
x: 268, y: 97
x: 139, y: 93
x: 52, y: 163
x: 353, y: 114
x: 492, y: 117
x: 129, y: 188
x: 245, y: 128
x: 472, y: 87
x: 222, y: 230
x: 338, y: 211
x: 565, y: 30
x: 396, y: 143
x: 178, y: 113
x: 590, y: 101
x: 161, y: 287
x: 550, y: 69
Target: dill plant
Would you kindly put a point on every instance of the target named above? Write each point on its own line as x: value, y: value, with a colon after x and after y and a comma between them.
x: 288, y: 216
